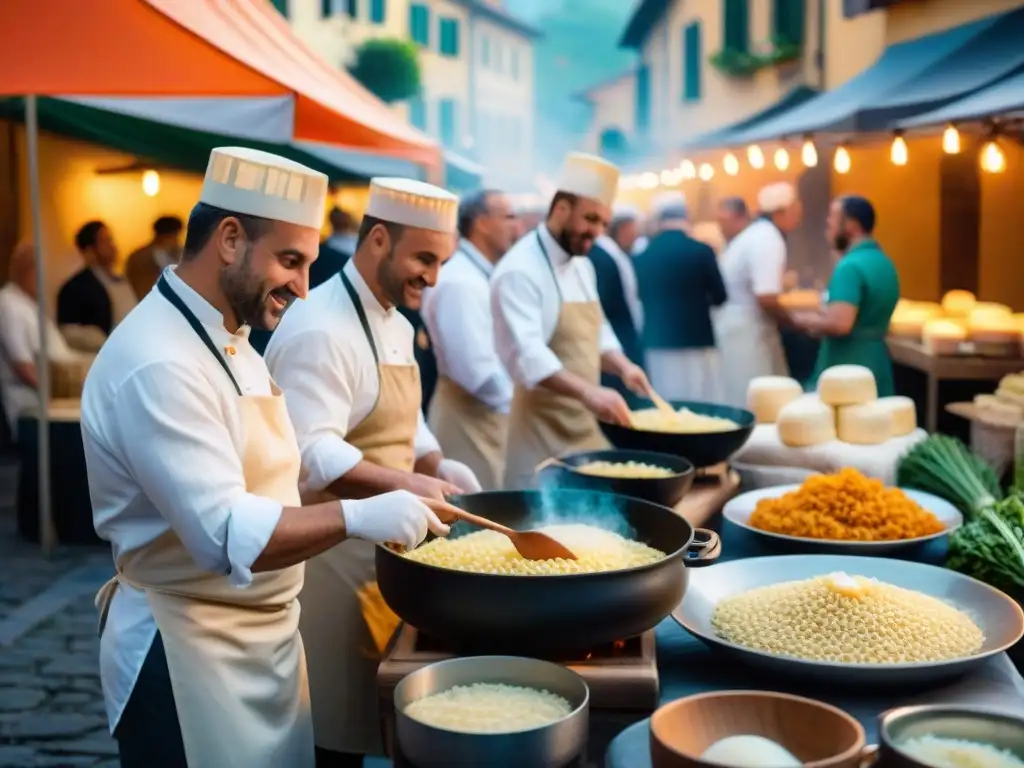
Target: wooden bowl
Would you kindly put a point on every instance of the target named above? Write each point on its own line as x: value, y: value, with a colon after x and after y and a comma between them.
x: 818, y: 735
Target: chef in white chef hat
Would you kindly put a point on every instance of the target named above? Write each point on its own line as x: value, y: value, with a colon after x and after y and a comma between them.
x: 781, y: 206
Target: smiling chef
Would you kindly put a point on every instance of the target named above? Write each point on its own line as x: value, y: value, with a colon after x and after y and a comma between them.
x: 194, y: 473
x: 550, y: 331
x: 346, y: 362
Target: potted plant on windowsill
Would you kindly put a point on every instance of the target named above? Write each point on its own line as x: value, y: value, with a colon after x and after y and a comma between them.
x: 743, y: 64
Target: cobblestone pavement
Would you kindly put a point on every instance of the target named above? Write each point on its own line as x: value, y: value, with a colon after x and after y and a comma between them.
x: 51, y: 708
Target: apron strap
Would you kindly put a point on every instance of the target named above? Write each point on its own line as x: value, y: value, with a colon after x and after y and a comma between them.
x: 165, y: 288
x: 551, y: 266
x: 362, y: 315
x: 472, y: 260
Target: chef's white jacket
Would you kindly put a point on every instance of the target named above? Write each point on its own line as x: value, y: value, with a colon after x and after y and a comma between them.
x: 163, y: 439
x: 320, y: 357
x: 457, y: 313
x: 525, y: 304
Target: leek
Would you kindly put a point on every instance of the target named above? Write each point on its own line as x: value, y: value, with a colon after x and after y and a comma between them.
x: 945, y: 467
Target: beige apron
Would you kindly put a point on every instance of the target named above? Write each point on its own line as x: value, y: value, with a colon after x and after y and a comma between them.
x: 469, y: 431
x: 234, y: 655
x: 347, y: 624
x: 545, y: 424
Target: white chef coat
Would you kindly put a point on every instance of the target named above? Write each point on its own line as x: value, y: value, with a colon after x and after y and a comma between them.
x: 319, y: 356
x: 19, y: 343
x: 457, y: 313
x: 122, y: 296
x: 753, y: 265
x: 162, y: 437
x: 627, y: 274
x: 525, y: 304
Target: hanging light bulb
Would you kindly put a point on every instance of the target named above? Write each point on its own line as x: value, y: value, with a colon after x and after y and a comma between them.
x: 649, y: 180
x: 993, y: 159
x: 898, y: 152
x: 951, y: 140
x: 755, y: 156
x: 666, y: 178
x: 841, y: 162
x: 731, y: 164
x: 809, y: 153
x: 707, y: 172
x: 688, y: 169
x: 151, y: 183
x: 781, y: 159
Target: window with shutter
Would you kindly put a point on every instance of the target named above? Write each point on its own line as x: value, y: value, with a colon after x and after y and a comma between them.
x: 737, y: 25
x: 352, y: 8
x: 326, y: 9
x: 378, y: 11
x: 419, y: 24
x: 448, y: 122
x: 788, y: 20
x: 449, y: 37
x: 418, y: 112
x: 643, y: 99
x: 693, y: 58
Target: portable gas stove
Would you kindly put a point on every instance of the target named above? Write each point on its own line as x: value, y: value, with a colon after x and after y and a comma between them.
x: 622, y: 677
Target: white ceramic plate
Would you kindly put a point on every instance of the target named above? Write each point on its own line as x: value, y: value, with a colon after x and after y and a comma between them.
x: 739, y: 510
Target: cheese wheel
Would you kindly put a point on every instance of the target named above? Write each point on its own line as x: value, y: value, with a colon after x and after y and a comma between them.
x: 958, y: 303
x: 847, y: 385
x: 999, y: 407
x: 864, y: 424
x: 904, y: 414
x: 943, y: 336
x: 766, y: 396
x: 806, y: 422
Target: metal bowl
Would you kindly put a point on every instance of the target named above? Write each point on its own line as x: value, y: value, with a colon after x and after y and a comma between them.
x: 667, y: 491
x: 998, y: 616
x: 550, y: 746
x: 739, y: 510
x: 703, y: 449
x: 986, y: 726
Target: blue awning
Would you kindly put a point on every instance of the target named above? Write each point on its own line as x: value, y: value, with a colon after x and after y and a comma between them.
x: 910, y: 77
x: 1004, y: 98
x: 721, y: 136
x: 362, y: 164
x: 462, y: 174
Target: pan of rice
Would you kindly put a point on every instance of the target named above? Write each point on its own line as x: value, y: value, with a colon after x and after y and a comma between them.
x: 846, y: 619
x: 943, y: 736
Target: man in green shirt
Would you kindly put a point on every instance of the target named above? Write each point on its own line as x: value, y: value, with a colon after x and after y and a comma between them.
x: 862, y: 295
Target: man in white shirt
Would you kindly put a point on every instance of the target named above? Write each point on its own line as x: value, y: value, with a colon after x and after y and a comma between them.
x: 469, y: 411
x: 753, y: 266
x: 346, y: 363
x: 550, y: 331
x: 194, y: 479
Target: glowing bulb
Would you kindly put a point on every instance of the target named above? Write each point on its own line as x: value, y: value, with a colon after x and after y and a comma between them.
x: 649, y: 180
x: 951, y: 141
x: 731, y: 164
x: 151, y: 183
x: 707, y: 172
x: 755, y: 156
x: 781, y: 159
x: 688, y: 169
x: 809, y: 154
x: 841, y: 162
x: 666, y: 178
x: 993, y: 160
x: 898, y: 152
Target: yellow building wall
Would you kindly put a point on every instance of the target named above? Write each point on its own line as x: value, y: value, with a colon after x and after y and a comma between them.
x: 851, y: 45
x: 614, y: 106
x: 446, y: 77
x: 1002, y: 237
x: 907, y: 20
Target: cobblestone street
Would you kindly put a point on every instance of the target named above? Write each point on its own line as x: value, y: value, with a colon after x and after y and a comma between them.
x: 51, y: 708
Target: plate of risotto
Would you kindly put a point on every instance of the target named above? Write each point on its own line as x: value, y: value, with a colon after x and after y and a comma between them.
x: 844, y: 512
x: 861, y: 620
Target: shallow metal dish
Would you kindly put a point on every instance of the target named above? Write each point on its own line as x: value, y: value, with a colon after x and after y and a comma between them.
x: 999, y: 616
x: 551, y: 746
x: 739, y: 510
x: 668, y: 491
x: 999, y: 729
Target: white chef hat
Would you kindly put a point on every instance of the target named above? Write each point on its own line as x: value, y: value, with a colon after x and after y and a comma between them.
x: 667, y: 201
x: 589, y: 176
x: 624, y: 212
x: 776, y: 197
x: 243, y: 180
x: 413, y: 204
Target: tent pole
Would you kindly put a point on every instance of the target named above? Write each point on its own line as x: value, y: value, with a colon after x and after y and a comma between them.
x: 47, y: 532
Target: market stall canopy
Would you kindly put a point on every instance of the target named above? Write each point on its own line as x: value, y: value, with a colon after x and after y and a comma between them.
x: 462, y: 174
x: 1004, y: 98
x: 195, y: 48
x: 721, y: 136
x: 910, y: 77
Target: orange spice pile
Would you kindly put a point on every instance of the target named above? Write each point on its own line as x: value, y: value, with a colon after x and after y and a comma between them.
x: 845, y: 506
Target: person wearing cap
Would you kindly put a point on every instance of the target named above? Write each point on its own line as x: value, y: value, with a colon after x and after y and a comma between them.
x: 617, y: 286
x: 753, y: 265
x: 344, y: 359
x: 550, y: 331
x: 194, y: 477
x: 862, y: 295
x: 469, y: 411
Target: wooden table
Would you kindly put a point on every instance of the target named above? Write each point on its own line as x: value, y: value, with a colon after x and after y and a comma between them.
x: 709, y: 494
x: 937, y: 369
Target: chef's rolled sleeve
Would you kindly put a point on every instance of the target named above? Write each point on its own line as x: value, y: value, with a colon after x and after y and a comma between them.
x: 517, y: 302
x: 313, y: 371
x: 608, y: 341
x: 171, y: 430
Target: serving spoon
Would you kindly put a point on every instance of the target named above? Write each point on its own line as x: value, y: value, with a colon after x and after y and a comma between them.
x: 532, y: 545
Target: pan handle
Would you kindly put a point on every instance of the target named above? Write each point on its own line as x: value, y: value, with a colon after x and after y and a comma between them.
x: 704, y: 549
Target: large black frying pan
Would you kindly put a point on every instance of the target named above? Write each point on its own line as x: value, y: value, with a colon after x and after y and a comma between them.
x: 667, y: 491
x: 703, y: 449
x: 524, y: 614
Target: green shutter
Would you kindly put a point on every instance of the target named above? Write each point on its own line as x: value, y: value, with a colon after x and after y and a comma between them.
x: 419, y: 24
x: 449, y: 37
x: 448, y: 122
x: 692, y: 61
x: 737, y: 25
x: 788, y: 21
x: 282, y: 6
x: 377, y: 11
x: 643, y: 99
x: 418, y: 112
x: 352, y: 8
x: 326, y: 9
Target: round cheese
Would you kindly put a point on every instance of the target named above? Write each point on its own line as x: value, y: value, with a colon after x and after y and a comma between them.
x: 766, y: 396
x: 958, y: 303
x: 864, y: 424
x: 942, y: 336
x: 806, y: 422
x: 903, y: 412
x: 847, y: 385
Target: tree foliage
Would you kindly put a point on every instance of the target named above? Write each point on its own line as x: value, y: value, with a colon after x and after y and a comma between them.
x: 388, y: 68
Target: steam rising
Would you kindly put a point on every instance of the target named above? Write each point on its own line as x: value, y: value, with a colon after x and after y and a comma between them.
x: 560, y: 506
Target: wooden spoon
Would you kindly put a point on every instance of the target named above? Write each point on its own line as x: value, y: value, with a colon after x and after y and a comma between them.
x: 533, y: 545
x: 661, y: 403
